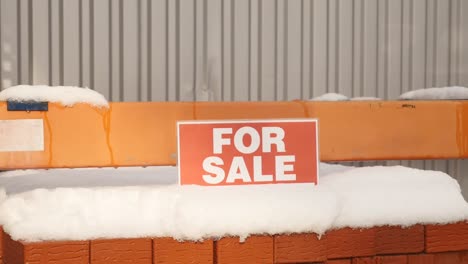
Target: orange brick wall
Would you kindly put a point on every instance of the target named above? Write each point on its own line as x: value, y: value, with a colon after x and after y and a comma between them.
x: 431, y: 244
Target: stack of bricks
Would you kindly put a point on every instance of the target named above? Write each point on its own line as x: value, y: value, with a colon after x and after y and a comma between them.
x: 430, y: 244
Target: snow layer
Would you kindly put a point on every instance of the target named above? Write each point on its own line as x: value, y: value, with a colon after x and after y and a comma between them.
x: 366, y: 99
x: 77, y: 204
x: 444, y: 93
x: 65, y: 95
x: 330, y: 97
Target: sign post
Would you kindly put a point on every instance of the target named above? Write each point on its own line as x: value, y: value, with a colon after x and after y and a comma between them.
x: 241, y: 152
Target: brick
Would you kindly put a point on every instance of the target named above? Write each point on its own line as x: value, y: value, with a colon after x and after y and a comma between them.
x: 1, y: 242
x: 168, y: 250
x: 398, y: 240
x: 421, y: 259
x: 347, y: 242
x: 256, y: 249
x: 402, y: 259
x: 115, y: 251
x: 299, y: 248
x: 14, y: 251
x: 450, y: 258
x: 443, y: 238
x: 61, y: 252
x: 365, y: 260
x: 338, y: 261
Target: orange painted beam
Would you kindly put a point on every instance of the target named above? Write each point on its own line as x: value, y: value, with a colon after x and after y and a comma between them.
x: 143, y: 134
x: 392, y: 130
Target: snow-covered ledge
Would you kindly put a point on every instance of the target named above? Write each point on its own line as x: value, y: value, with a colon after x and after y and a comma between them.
x: 65, y: 95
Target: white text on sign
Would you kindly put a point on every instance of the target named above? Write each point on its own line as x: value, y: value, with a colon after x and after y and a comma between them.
x: 225, y: 138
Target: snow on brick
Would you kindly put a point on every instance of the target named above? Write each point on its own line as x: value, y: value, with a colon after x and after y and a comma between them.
x: 81, y: 204
x: 444, y: 93
x: 65, y: 95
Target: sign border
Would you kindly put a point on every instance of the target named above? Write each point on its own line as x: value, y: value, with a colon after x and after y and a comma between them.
x: 238, y: 121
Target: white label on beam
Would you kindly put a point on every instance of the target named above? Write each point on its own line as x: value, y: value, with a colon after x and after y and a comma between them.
x: 21, y: 135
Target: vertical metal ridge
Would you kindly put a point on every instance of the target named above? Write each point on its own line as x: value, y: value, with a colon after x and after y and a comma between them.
x: 260, y: 50
x: 353, y: 32
x: 61, y: 44
x: 434, y: 60
x: 206, y: 82
x: 121, y: 51
x: 222, y: 50
x: 177, y: 51
x: 459, y: 39
x: 80, y: 43
x: 149, y: 41
x: 18, y: 42
x: 302, y: 52
x: 194, y: 85
x: 166, y: 44
x: 327, y: 49
x: 411, y: 40
x: 426, y: 38
x: 30, y: 42
x: 377, y: 51
x: 139, y: 57
x: 249, y: 51
x: 449, y: 48
x: 401, y: 44
x: 111, y: 68
x: 386, y: 48
x: 337, y: 47
x: 91, y: 44
x: 285, y: 51
x: 311, y: 50
x: 1, y: 49
x: 49, y: 39
x: 276, y: 51
x: 363, y: 54
x: 233, y: 49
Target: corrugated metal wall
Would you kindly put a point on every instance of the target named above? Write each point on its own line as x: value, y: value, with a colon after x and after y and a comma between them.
x: 132, y: 50
x: 143, y: 50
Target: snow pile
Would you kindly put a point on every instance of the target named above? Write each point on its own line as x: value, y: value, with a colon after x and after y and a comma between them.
x: 80, y: 204
x: 375, y: 196
x: 444, y: 93
x: 366, y: 99
x: 330, y: 97
x: 65, y: 95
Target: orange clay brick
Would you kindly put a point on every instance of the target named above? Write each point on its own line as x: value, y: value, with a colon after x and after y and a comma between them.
x: 299, y: 248
x: 402, y: 259
x: 66, y: 252
x: 440, y: 258
x: 338, y: 261
x: 347, y: 242
x: 398, y: 240
x: 1, y: 242
x: 256, y: 249
x: 450, y: 258
x: 421, y: 259
x: 365, y: 260
x: 451, y: 237
x: 121, y: 251
x: 168, y: 251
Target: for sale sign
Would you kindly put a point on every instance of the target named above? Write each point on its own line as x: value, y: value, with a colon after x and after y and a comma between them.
x: 248, y: 152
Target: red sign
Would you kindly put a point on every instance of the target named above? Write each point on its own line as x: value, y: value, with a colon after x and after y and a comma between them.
x: 248, y: 152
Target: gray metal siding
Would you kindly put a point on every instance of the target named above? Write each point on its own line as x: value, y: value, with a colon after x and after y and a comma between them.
x: 166, y: 50
x: 139, y: 50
